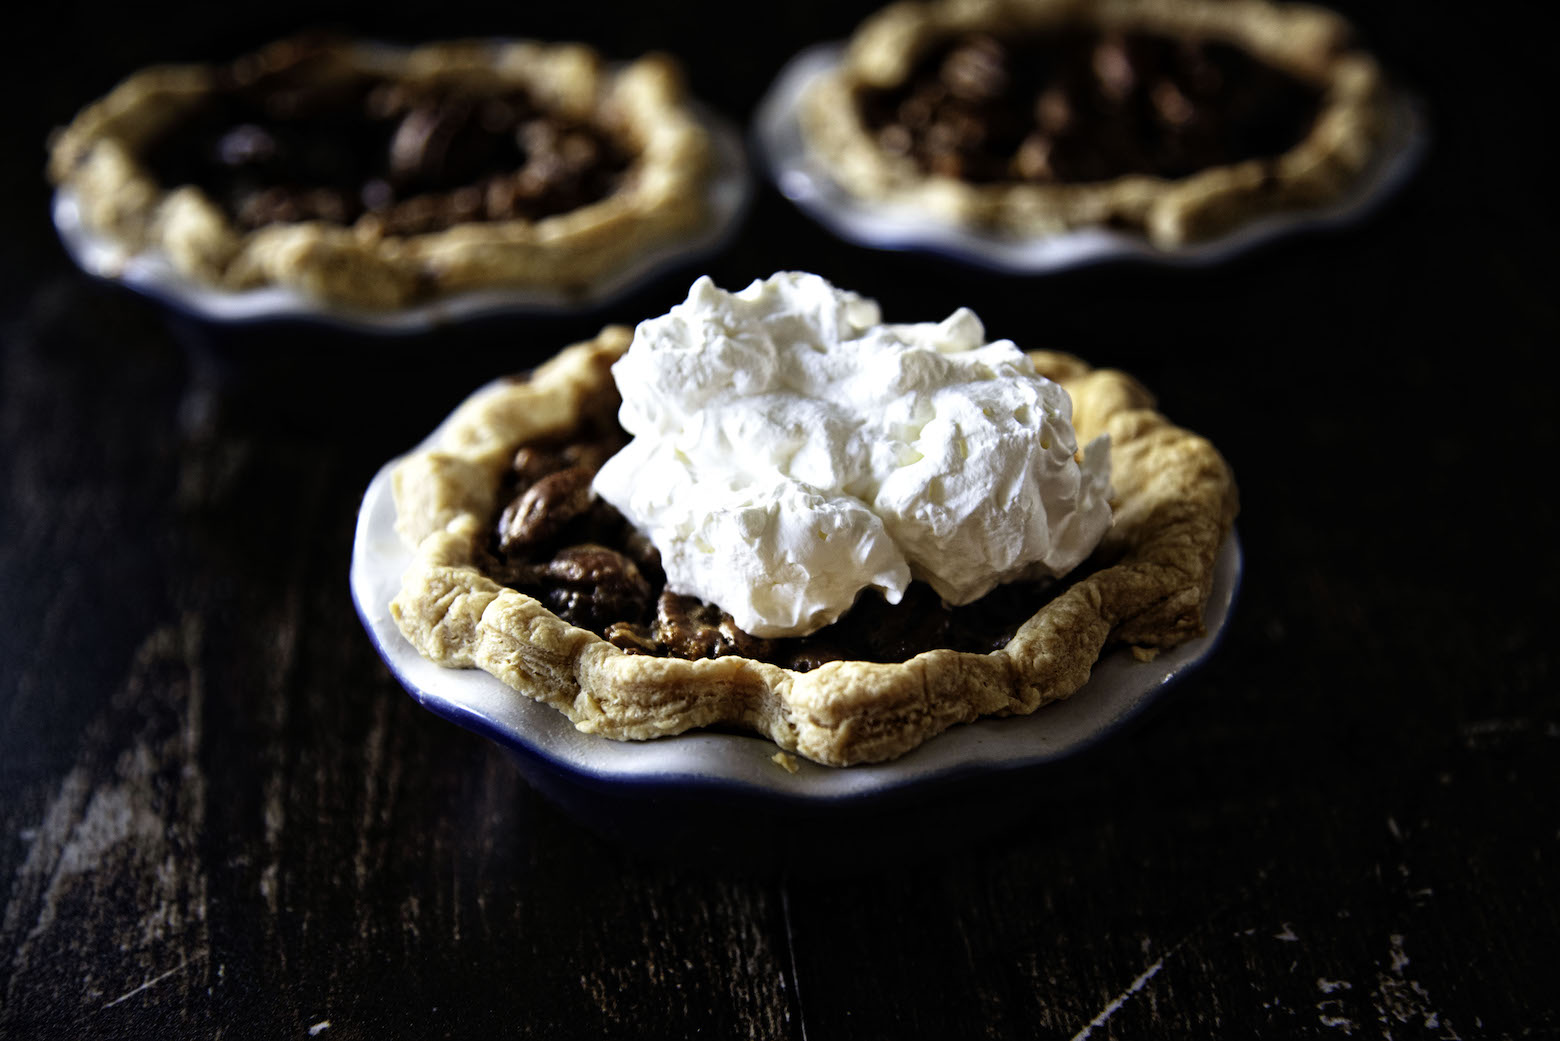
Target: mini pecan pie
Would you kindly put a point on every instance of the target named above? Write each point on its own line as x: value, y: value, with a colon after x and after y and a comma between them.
x: 521, y: 572
x: 376, y: 177
x: 1179, y: 118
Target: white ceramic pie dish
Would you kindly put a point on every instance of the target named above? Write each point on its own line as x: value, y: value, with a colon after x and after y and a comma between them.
x: 802, y: 179
x: 728, y: 192
x: 710, y: 764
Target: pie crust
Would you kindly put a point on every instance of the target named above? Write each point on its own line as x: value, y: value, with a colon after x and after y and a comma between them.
x: 1308, y: 43
x: 99, y: 158
x: 1175, y: 502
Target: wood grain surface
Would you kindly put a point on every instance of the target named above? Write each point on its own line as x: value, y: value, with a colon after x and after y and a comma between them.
x: 221, y: 817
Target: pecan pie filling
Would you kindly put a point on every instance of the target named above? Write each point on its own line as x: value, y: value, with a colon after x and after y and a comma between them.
x: 554, y: 540
x: 1082, y: 105
x: 290, y: 140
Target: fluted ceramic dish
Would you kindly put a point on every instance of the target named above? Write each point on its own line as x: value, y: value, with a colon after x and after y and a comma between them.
x: 736, y: 766
x: 802, y: 179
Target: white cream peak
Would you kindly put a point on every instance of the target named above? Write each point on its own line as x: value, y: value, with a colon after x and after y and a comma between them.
x: 791, y: 451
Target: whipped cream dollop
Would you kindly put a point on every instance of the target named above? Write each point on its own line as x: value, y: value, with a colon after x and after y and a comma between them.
x: 789, y: 451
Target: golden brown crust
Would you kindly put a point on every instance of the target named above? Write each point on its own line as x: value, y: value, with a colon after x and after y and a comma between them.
x: 1307, y: 42
x: 1176, y: 501
x: 360, y: 265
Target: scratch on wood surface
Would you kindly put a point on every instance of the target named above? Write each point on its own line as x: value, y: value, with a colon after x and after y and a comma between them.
x: 1483, y: 732
x: 1400, y: 999
x: 790, y: 950
x: 112, y: 816
x: 373, y: 791
x: 1122, y: 998
x: 1138, y: 984
x: 1149, y: 973
x: 1396, y: 999
x: 1398, y: 955
x: 268, y: 884
x: 1329, y: 1010
x: 121, y: 827
x: 274, y: 787
x: 127, y: 995
x: 43, y: 857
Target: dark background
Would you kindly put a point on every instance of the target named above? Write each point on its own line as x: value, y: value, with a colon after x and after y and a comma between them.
x: 219, y: 815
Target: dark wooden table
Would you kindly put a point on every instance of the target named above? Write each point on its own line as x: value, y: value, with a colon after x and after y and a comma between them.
x: 220, y: 816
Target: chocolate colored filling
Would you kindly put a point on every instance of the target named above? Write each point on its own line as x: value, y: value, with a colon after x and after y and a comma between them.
x: 293, y: 137
x: 1080, y: 105
x: 553, y: 540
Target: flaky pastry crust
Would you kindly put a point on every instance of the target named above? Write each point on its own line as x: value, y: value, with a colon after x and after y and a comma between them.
x: 1175, y: 503
x: 1307, y: 42
x: 97, y: 157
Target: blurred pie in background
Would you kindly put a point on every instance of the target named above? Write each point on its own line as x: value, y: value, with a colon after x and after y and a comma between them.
x: 376, y: 177
x: 1179, y: 119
